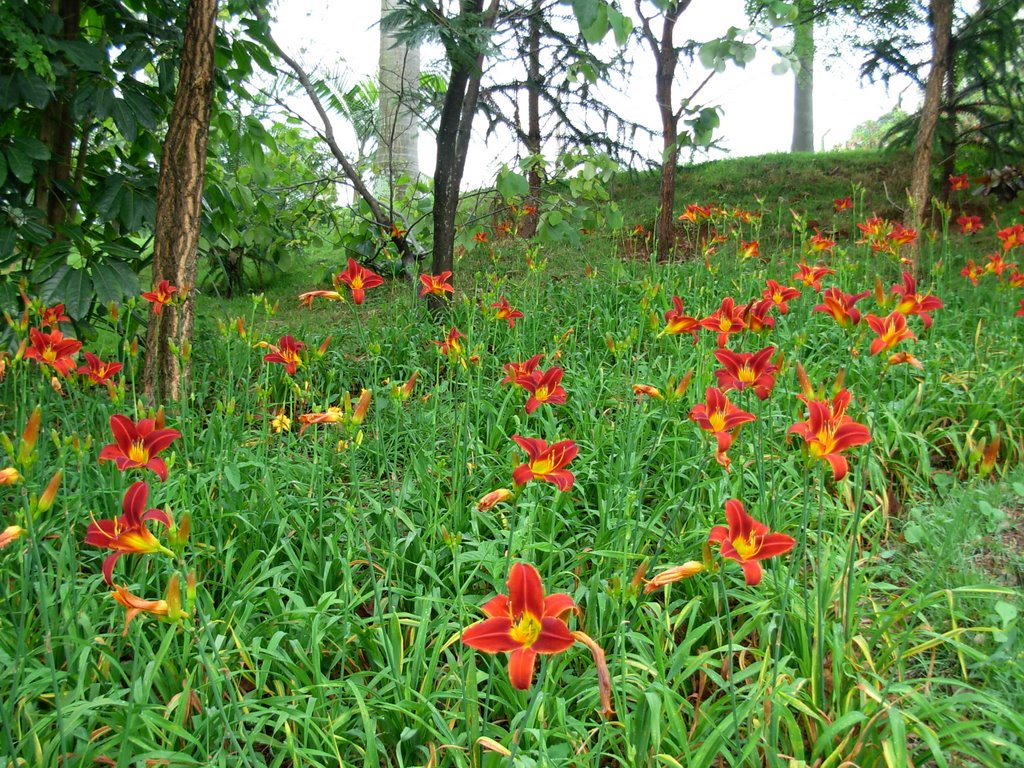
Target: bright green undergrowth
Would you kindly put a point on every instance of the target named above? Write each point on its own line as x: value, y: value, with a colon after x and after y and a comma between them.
x: 334, y: 578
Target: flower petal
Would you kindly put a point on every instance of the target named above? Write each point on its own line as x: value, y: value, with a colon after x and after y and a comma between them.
x: 554, y: 637
x: 525, y: 591
x: 520, y: 668
x: 491, y: 635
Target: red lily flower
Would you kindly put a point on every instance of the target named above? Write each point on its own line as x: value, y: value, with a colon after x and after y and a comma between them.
x: 891, y: 331
x: 747, y: 541
x: 744, y: 216
x: 544, y: 387
x: 756, y: 315
x: 743, y: 369
x: 841, y: 306
x: 828, y: 431
x: 53, y: 316
x: 128, y: 533
x: 721, y: 418
x: 972, y: 271
x: 523, y: 624
x: 168, y: 608
x: 676, y: 322
x: 969, y: 224
x: 780, y: 295
x: 306, y: 299
x: 450, y: 345
x: 359, y: 279
x: 516, y: 371
x: 913, y: 303
x: 811, y: 276
x: 899, y: 235
x: 1020, y: 312
x: 286, y: 353
x: 957, y: 183
x: 52, y: 349
x: 841, y: 204
x: 819, y: 243
x: 506, y: 312
x: 98, y: 371
x: 726, y: 320
x: 904, y: 357
x: 136, y: 445
x: 481, y: 237
x: 161, y: 295
x: 1012, y: 237
x: 996, y: 264
x: 1017, y: 279
x: 437, y: 285
x: 545, y: 463
x: 749, y: 250
x: 695, y: 213
x: 874, y: 230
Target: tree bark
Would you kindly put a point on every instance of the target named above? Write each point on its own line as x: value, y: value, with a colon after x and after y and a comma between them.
x: 534, y: 85
x: 803, y: 81
x: 179, y: 205
x: 453, y: 134
x: 941, y: 12
x: 398, y: 136
x: 58, y: 131
x: 949, y: 137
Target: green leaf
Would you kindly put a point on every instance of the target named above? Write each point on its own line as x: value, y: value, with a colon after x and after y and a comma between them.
x: 781, y: 67
x: 124, y: 119
x: 34, y: 90
x: 511, y: 184
x: 83, y: 55
x: 1007, y: 611
x: 75, y: 289
x: 586, y: 12
x: 913, y: 533
x: 114, y: 280
x: 3, y: 169
x: 21, y: 166
x: 595, y: 32
x: 142, y: 107
x: 622, y: 26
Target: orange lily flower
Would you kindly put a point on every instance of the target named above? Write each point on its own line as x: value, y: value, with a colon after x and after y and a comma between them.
x: 286, y: 353
x: 359, y: 279
x: 1020, y: 312
x: 481, y: 237
x: 450, y: 345
x: 913, y: 303
x: 544, y: 387
x: 523, y: 624
x: 161, y: 295
x: 1012, y: 237
x: 98, y: 371
x: 506, y: 312
x: 726, y: 320
x: 136, y: 445
x: 516, y: 371
x: 748, y: 541
x: 841, y: 306
x: 676, y: 322
x: 899, y: 235
x: 891, y: 331
x: 1017, y: 279
x: 9, y: 476
x: 905, y: 357
x: 828, y: 431
x: 344, y: 414
x: 996, y: 264
x: 128, y: 533
x: 969, y: 224
x: 972, y: 271
x: 720, y: 417
x: 756, y: 315
x: 168, y: 608
x: 819, y: 243
x: 437, y: 285
x: 841, y: 204
x: 404, y: 392
x: 745, y: 369
x: 306, y: 299
x: 640, y: 390
x: 673, y: 574
x: 780, y: 295
x: 695, y: 213
x: 749, y: 250
x: 52, y: 349
x: 53, y: 316
x: 812, y: 276
x: 957, y: 183
x: 493, y: 498
x: 545, y: 462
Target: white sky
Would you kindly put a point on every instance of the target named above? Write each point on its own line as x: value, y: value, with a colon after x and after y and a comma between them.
x: 757, y: 109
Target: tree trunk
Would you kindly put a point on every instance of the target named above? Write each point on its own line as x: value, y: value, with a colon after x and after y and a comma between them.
x: 399, y: 76
x: 453, y: 133
x: 58, y: 131
x: 803, y: 81
x: 941, y: 12
x: 179, y: 205
x: 949, y: 137
x: 667, y: 58
x: 528, y: 227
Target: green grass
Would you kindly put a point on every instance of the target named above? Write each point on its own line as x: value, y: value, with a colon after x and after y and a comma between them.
x: 337, y: 568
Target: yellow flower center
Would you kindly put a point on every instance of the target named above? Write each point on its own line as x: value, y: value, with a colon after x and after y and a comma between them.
x: 747, y: 548
x: 824, y: 444
x: 138, y: 452
x: 541, y: 393
x: 526, y: 629
x: 725, y: 324
x: 542, y: 466
x: 357, y: 283
x: 49, y: 354
x: 746, y: 375
x: 717, y: 421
